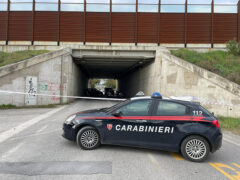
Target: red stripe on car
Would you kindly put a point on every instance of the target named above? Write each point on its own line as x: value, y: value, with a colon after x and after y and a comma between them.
x: 160, y: 118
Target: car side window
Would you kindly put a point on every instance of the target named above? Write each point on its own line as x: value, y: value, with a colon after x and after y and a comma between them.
x: 166, y: 108
x: 137, y: 108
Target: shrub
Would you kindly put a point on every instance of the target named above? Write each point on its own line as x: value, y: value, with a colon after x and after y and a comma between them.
x: 233, y: 47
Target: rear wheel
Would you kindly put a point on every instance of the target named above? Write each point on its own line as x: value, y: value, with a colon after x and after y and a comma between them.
x: 88, y: 138
x: 195, y: 148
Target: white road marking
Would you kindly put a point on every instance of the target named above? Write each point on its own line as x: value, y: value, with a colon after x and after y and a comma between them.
x: 42, y: 129
x: 230, y: 141
x: 32, y: 135
x: 13, y: 131
x: 11, y: 151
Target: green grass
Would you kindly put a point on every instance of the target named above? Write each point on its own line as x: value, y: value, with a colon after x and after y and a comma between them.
x: 9, y: 58
x: 7, y: 106
x: 10, y: 106
x: 219, y: 62
x: 230, y: 124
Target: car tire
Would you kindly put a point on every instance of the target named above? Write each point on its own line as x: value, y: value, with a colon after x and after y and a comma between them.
x: 88, y: 138
x: 195, y: 148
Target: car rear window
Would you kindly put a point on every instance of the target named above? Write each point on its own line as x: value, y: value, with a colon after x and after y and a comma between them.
x: 166, y: 108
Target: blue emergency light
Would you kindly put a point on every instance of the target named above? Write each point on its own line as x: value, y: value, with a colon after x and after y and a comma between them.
x: 157, y: 95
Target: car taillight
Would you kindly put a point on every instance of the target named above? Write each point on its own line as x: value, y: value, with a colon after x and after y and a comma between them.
x: 216, y: 123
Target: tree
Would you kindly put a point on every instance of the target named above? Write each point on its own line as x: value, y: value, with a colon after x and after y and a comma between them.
x: 110, y: 83
x: 93, y: 82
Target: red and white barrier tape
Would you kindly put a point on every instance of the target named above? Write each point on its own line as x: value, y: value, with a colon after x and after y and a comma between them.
x: 59, y: 96
x: 202, y: 101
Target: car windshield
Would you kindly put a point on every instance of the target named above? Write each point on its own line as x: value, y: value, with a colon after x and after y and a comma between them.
x: 116, y: 106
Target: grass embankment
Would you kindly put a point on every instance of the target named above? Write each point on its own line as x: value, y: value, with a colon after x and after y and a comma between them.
x: 10, y: 106
x: 10, y: 58
x: 230, y: 124
x: 219, y: 62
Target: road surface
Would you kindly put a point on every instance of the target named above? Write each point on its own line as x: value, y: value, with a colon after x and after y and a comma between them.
x: 31, y: 147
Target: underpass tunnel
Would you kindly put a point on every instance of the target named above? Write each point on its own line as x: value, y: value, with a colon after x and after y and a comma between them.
x: 122, y: 66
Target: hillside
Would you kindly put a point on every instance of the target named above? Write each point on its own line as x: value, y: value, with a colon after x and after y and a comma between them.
x: 219, y: 62
x: 10, y: 58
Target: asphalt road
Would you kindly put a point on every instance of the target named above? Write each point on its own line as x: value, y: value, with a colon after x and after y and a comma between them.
x: 31, y: 147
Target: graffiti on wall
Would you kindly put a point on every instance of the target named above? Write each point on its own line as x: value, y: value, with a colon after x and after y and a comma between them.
x: 51, y: 88
x: 31, y: 90
x: 34, y: 87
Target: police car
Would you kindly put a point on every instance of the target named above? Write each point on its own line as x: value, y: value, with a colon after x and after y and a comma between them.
x: 148, y: 122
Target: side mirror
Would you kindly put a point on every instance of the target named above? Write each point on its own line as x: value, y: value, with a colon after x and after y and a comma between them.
x: 117, y: 114
x: 213, y: 113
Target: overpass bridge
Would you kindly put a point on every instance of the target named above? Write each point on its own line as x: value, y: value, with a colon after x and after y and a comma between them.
x: 62, y: 75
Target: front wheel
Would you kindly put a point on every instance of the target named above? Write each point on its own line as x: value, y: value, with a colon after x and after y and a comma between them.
x: 195, y: 148
x: 88, y: 138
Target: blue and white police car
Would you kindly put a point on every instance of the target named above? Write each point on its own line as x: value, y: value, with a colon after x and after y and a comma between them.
x: 148, y: 122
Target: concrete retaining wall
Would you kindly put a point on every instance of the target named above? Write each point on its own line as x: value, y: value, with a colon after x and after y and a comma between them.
x: 175, y: 77
x: 76, y: 80
x: 55, y: 73
x: 14, y: 48
x: 51, y: 46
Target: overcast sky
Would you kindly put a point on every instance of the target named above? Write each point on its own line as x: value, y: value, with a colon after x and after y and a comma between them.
x: 125, y: 8
x: 132, y: 1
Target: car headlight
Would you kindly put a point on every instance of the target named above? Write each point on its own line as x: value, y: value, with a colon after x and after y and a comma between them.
x: 70, y: 119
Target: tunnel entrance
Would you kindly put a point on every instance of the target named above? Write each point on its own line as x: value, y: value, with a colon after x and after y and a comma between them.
x: 107, y: 88
x: 114, y: 64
